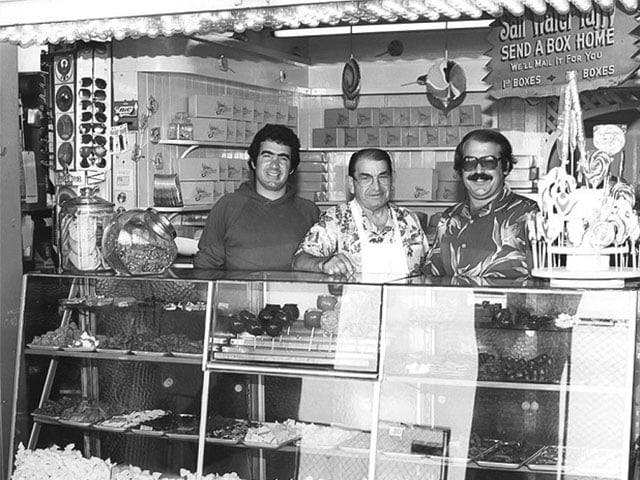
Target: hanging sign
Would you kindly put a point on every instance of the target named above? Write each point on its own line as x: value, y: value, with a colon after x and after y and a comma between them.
x: 530, y: 55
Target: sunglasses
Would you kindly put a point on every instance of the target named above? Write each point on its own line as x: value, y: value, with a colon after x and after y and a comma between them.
x: 488, y: 162
x: 97, y: 106
x: 94, y: 139
x: 86, y: 94
x: 97, y: 151
x: 87, y: 116
x: 85, y: 128
x: 98, y: 82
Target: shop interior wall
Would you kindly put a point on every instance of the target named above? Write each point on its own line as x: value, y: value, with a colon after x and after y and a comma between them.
x: 304, y: 72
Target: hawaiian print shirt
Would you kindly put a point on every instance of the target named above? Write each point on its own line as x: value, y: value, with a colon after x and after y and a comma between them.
x: 336, y: 232
x: 491, y: 243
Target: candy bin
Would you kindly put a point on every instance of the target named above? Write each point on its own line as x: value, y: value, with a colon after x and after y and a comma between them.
x: 139, y: 242
x: 82, y: 222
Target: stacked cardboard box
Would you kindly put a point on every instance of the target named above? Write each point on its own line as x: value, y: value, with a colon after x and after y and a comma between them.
x: 523, y: 178
x: 322, y: 176
x: 310, y: 179
x: 203, y: 180
x: 232, y: 120
x: 414, y: 176
x: 389, y: 127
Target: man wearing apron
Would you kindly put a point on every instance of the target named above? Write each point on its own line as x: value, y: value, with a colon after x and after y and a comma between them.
x: 368, y: 235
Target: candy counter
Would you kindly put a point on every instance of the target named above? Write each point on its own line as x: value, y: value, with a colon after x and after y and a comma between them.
x: 288, y: 375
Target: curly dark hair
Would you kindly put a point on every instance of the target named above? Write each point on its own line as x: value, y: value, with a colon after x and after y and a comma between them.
x: 486, y: 135
x: 276, y: 133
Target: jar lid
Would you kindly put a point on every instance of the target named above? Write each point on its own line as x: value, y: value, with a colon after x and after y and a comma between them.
x: 87, y: 198
x: 159, y: 224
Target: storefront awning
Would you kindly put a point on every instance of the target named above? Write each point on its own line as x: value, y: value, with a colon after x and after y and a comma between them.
x: 28, y: 22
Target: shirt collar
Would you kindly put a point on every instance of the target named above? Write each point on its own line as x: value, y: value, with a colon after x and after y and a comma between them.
x: 489, y: 207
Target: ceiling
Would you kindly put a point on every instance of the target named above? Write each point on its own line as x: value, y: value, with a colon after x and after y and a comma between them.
x: 28, y: 22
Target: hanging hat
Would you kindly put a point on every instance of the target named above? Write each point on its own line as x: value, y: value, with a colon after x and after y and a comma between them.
x: 351, y: 83
x: 446, y: 84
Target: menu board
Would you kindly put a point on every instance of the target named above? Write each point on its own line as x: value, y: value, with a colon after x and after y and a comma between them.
x: 531, y: 54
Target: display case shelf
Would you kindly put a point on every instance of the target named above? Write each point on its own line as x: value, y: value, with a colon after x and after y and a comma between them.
x: 203, y: 143
x: 305, y: 376
x: 127, y: 357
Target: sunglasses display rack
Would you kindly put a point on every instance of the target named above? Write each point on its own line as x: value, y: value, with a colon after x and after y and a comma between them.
x: 93, y: 108
x: 64, y: 63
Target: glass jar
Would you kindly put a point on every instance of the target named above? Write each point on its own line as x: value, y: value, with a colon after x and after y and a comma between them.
x: 82, y: 223
x: 180, y: 127
x: 139, y: 242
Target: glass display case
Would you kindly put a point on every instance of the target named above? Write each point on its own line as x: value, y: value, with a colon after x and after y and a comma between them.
x: 527, y: 383
x: 303, y: 376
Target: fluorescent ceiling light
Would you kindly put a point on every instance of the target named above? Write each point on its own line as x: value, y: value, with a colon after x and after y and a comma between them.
x: 391, y: 27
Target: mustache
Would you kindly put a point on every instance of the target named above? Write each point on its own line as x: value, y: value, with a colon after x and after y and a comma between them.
x: 480, y: 176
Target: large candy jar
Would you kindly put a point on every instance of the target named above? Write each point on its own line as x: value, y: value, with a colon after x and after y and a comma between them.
x: 82, y: 222
x: 139, y: 242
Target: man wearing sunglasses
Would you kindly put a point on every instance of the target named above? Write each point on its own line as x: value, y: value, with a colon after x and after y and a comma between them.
x: 258, y: 226
x: 368, y: 235
x: 485, y: 235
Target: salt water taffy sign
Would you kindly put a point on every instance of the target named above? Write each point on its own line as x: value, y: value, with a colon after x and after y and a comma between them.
x: 530, y: 55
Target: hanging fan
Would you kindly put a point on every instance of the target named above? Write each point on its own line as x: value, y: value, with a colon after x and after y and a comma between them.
x: 351, y: 80
x: 446, y: 82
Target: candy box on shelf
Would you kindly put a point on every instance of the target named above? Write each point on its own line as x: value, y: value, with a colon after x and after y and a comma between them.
x: 198, y: 192
x: 428, y: 136
x: 390, y: 137
x: 369, y: 137
x: 250, y: 130
x: 410, y: 136
x: 328, y: 137
x: 339, y: 117
x: 367, y: 117
x: 240, y: 132
x: 282, y: 113
x: 258, y: 111
x: 385, y: 116
x: 470, y: 114
x: 401, y: 116
x: 350, y: 137
x: 209, y: 106
x: 199, y: 168
x: 247, y: 107
x: 270, y: 111
x: 443, y: 119
x: 292, y: 115
x: 209, y: 129
x: 420, y: 116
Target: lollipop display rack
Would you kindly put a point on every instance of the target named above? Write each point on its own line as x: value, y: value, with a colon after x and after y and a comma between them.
x: 587, y: 228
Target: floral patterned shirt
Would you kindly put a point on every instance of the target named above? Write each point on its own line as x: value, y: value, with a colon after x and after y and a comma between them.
x: 491, y: 243
x: 336, y: 232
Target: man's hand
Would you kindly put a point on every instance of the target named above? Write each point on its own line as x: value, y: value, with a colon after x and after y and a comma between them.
x: 339, y: 264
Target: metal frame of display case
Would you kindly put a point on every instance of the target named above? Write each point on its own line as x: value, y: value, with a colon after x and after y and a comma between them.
x: 572, y: 390
x: 261, y: 369
x: 424, y: 308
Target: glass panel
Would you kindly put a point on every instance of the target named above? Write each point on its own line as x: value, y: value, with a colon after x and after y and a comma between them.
x: 531, y: 379
x: 319, y: 326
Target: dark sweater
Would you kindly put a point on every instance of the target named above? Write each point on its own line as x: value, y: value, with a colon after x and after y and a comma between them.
x: 246, y: 231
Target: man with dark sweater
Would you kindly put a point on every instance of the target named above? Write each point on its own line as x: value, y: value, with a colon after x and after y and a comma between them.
x: 259, y: 226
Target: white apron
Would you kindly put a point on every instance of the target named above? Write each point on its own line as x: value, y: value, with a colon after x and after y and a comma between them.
x: 380, y: 261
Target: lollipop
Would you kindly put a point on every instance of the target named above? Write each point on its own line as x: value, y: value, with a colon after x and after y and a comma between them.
x: 596, y: 169
x: 602, y: 234
x: 624, y: 191
x: 329, y: 322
